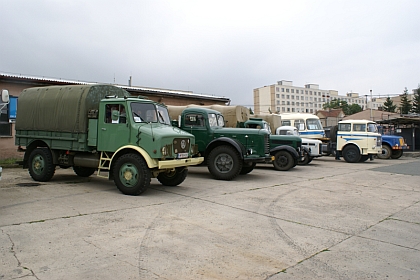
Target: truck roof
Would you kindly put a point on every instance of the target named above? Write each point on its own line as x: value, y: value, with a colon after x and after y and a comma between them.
x: 61, y: 108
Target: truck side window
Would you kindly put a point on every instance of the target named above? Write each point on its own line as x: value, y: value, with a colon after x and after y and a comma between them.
x: 344, y: 127
x: 194, y: 120
x: 288, y: 123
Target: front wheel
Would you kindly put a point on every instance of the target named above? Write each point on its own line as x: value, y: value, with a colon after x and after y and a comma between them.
x: 396, y: 154
x: 283, y: 161
x: 247, y: 167
x: 41, y: 166
x: 131, y: 174
x: 173, y: 177
x: 224, y: 163
x: 386, y: 152
x: 351, y: 154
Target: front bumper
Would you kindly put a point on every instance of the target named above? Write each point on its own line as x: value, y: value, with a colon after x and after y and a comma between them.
x: 168, y: 164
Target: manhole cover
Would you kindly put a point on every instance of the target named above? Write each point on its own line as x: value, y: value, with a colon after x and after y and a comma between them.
x: 28, y: 184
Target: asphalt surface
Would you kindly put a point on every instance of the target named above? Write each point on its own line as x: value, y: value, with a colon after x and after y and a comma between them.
x: 327, y: 220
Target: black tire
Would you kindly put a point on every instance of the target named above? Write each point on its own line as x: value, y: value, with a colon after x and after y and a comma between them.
x: 386, y: 152
x: 363, y: 158
x: 333, y: 133
x: 283, y: 161
x: 310, y: 159
x: 247, y: 168
x: 224, y: 163
x: 305, y: 159
x: 41, y: 166
x: 83, y: 171
x: 173, y: 178
x: 351, y: 154
x: 131, y: 174
x: 396, y: 154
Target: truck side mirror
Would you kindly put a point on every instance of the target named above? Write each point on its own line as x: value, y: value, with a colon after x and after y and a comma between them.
x: 4, y: 96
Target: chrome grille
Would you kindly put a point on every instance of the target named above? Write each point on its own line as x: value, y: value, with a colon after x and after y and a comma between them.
x: 181, y: 145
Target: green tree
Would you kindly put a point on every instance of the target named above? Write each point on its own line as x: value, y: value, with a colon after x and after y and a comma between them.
x: 416, y: 101
x: 406, y: 105
x: 353, y: 109
x: 389, y: 105
x: 250, y: 111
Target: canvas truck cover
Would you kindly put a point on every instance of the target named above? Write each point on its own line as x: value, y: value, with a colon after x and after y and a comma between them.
x: 61, y: 108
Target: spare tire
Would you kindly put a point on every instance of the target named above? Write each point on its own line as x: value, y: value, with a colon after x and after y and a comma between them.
x: 333, y: 133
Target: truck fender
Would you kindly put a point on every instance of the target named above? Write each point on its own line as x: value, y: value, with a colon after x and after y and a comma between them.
x: 220, y: 141
x: 151, y: 163
x: 351, y: 144
x: 285, y: 147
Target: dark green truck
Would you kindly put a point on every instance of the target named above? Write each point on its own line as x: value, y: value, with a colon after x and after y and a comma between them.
x: 101, y: 128
x: 228, y: 152
x: 286, y: 149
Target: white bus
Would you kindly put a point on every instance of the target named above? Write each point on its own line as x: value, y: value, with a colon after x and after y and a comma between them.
x: 308, y: 125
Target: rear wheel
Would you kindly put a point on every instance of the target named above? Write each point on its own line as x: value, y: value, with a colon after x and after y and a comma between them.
x: 83, y: 171
x: 41, y: 167
x: 131, y: 174
x: 351, y: 154
x: 224, y: 163
x: 247, y: 167
x: 173, y: 177
x: 396, y: 154
x: 386, y: 152
x: 305, y: 159
x: 363, y: 158
x: 283, y: 161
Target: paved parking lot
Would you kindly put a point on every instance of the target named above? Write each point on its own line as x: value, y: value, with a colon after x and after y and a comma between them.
x: 329, y: 220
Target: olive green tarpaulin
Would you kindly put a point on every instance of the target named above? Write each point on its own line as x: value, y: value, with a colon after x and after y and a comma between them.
x: 61, y: 108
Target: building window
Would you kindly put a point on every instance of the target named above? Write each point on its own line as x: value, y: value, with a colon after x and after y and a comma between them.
x: 282, y: 96
x: 310, y: 92
x: 283, y: 109
x: 288, y: 109
x: 293, y: 97
x: 278, y: 95
x: 282, y: 89
x: 306, y: 92
x: 293, y: 103
x: 293, y: 109
x: 277, y: 89
x: 288, y: 102
x: 283, y: 102
x: 287, y: 90
x: 278, y: 102
x: 278, y: 109
x: 288, y: 96
x: 297, y: 103
x: 292, y: 91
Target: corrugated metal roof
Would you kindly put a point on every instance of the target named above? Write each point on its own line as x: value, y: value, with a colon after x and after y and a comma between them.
x: 128, y: 88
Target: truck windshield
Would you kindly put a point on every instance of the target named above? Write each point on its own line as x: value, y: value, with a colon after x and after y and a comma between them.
x: 216, y: 120
x: 313, y: 124
x: 148, y: 112
x: 372, y: 127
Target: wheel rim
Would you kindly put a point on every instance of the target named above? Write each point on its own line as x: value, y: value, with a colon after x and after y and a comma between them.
x: 223, y: 163
x: 38, y: 164
x: 129, y: 175
x: 385, y: 153
x: 351, y: 154
x: 281, y: 160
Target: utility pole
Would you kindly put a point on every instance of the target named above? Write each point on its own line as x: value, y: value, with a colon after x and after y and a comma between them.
x: 371, y: 117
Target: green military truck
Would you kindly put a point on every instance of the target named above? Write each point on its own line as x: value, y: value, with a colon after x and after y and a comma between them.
x: 228, y: 152
x: 101, y: 128
x: 285, y: 149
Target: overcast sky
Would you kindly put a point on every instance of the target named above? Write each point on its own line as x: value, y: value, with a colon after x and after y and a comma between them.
x: 223, y: 48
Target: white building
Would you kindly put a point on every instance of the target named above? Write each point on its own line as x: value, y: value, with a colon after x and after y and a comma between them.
x: 283, y: 97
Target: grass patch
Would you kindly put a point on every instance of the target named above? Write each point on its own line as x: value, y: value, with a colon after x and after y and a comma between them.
x: 9, y: 161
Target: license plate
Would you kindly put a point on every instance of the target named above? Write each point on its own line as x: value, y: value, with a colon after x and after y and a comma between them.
x: 182, y: 155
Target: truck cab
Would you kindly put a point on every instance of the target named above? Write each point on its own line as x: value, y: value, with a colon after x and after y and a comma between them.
x: 313, y: 146
x: 228, y: 152
x: 286, y: 150
x: 357, y: 139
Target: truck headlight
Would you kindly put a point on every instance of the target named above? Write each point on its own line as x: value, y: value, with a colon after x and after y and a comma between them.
x: 164, y: 151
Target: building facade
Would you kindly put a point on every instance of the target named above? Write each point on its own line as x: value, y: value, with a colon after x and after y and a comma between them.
x: 284, y: 97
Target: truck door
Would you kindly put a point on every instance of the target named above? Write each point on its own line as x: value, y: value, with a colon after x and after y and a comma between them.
x: 196, y: 124
x: 113, y: 130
